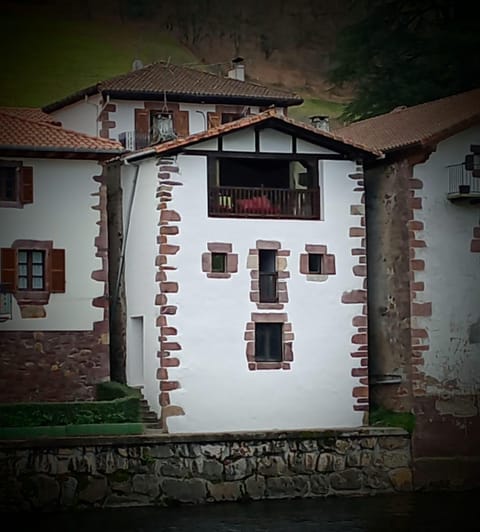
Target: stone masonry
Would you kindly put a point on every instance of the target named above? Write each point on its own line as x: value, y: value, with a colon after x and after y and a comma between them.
x: 158, y: 470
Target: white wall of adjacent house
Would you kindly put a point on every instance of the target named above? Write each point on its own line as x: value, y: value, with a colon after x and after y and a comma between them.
x: 452, y: 273
x: 62, y: 212
x: 80, y: 116
x: 217, y: 390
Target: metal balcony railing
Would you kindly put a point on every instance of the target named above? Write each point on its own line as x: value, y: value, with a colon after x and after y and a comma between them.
x: 260, y: 202
x: 461, y: 180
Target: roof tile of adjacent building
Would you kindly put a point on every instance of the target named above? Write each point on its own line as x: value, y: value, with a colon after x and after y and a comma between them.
x: 163, y: 79
x: 426, y: 123
x: 31, y: 113
x: 18, y: 132
x: 271, y: 114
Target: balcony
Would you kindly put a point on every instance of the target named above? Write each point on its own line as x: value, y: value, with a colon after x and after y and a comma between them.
x: 462, y: 185
x: 261, y: 202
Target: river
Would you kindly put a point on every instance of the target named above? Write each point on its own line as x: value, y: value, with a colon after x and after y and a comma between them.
x: 412, y: 512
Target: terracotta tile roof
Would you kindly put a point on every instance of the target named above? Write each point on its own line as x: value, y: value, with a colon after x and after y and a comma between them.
x: 182, y: 83
x: 21, y: 133
x: 31, y: 113
x: 312, y: 133
x: 419, y: 124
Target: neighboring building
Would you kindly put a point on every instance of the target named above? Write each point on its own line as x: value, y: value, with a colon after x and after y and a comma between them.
x: 54, y: 338
x: 423, y: 234
x: 245, y: 277
x: 163, y: 101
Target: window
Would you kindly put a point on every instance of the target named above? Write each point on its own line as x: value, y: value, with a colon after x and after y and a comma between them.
x: 315, y: 263
x: 16, y: 184
x: 472, y: 161
x: 264, y: 187
x: 267, y: 270
x: 268, y: 342
x: 32, y: 270
x: 161, y: 127
x: 219, y: 262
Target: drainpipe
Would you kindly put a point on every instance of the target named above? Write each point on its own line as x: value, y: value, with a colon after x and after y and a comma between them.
x: 124, y: 243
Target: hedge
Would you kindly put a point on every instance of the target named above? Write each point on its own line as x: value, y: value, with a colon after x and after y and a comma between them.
x: 106, y: 391
x: 121, y: 410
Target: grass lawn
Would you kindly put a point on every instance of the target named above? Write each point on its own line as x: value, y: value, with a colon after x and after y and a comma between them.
x: 44, y: 59
x: 316, y: 106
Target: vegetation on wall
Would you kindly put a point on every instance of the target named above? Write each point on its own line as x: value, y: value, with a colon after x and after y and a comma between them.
x: 388, y: 418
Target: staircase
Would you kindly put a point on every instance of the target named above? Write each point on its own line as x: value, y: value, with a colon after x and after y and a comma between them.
x: 148, y: 416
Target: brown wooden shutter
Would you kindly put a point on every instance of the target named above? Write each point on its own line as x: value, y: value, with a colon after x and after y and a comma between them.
x: 8, y: 259
x: 180, y: 123
x: 329, y: 264
x: 57, y: 270
x: 142, y: 117
x: 26, y: 184
x: 214, y: 120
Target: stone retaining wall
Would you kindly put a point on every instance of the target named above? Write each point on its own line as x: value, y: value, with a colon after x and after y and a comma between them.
x: 160, y: 469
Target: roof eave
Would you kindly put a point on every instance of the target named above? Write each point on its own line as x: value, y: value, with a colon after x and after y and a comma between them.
x: 60, y: 150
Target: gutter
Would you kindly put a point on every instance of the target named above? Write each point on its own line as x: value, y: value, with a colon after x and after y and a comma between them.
x: 60, y: 149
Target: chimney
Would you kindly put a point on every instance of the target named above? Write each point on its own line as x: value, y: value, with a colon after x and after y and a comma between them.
x: 320, y: 122
x: 238, y: 69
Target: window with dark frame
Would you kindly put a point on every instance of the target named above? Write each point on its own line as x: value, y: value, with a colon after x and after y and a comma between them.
x: 8, y: 183
x: 268, y: 342
x: 315, y: 263
x: 219, y: 262
x: 31, y: 269
x: 267, y: 271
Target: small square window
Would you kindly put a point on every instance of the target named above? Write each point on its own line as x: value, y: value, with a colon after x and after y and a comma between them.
x: 268, y: 342
x: 219, y: 262
x: 315, y: 263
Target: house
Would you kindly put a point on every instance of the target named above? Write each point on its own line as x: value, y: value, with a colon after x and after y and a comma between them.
x: 54, y: 331
x: 423, y: 236
x: 241, y: 257
x: 162, y: 101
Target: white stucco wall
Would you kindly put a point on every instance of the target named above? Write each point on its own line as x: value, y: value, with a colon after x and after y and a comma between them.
x: 62, y: 212
x: 218, y: 392
x: 452, y: 273
x: 81, y: 116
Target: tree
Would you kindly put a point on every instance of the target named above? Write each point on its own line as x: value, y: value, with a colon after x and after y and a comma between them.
x: 405, y: 52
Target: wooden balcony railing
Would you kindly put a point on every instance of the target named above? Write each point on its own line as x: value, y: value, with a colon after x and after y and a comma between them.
x: 248, y: 202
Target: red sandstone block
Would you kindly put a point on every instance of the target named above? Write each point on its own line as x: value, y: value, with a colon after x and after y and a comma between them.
x: 419, y: 333
x: 168, y: 168
x: 359, y: 354
x: 163, y: 175
x: 360, y: 391
x: 418, y: 286
x: 358, y: 251
x: 415, y: 225
x: 359, y: 339
x: 356, y: 176
x: 415, y: 184
x: 169, y: 230
x: 171, y: 346
x: 252, y: 366
x: 160, y: 299
x: 169, y: 287
x: 361, y: 408
x: 160, y: 276
x: 360, y: 270
x: 417, y: 265
x: 364, y: 380
x: 285, y: 365
x: 418, y: 244
x: 168, y: 331
x: 421, y: 309
x: 168, y: 249
x: 164, y: 399
x: 170, y: 362
x: 359, y: 321
x: 168, y: 309
x: 475, y: 246
x: 364, y: 362
x: 356, y: 232
x: 170, y: 216
x: 161, y: 321
x: 354, y: 296
x: 168, y: 386
x: 414, y: 203
x: 162, y: 374
x: 359, y: 372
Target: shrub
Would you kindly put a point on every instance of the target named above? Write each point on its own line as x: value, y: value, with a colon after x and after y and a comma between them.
x: 106, y: 391
x: 122, y: 410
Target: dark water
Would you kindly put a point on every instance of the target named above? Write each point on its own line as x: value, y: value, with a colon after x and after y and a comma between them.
x: 420, y: 512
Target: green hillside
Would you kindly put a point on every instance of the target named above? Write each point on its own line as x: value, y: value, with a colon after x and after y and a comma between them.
x: 45, y: 59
